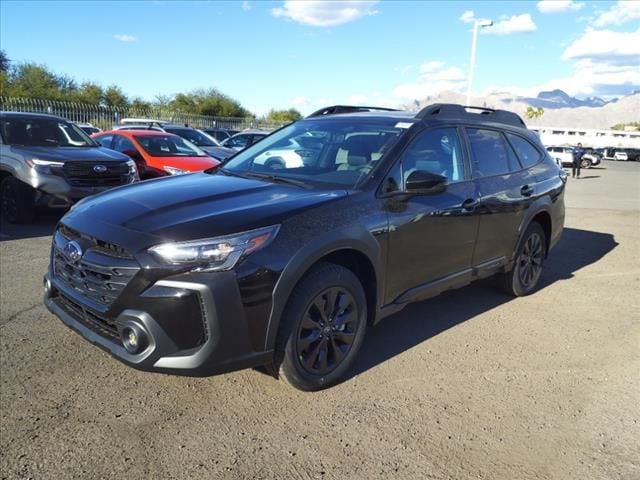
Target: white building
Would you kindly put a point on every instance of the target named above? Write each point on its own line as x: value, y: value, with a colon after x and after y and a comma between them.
x: 588, y: 138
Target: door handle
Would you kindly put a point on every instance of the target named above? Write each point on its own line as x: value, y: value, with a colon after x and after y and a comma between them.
x: 470, y: 204
x: 526, y: 190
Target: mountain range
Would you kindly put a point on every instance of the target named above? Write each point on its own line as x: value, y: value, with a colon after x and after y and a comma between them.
x: 560, y: 109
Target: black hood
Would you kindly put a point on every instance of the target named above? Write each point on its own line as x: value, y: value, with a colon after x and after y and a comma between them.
x: 199, y: 205
x: 64, y: 154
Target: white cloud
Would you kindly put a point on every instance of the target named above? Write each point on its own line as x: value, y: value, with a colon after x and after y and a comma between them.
x: 468, y: 16
x: 122, y: 37
x: 504, y: 26
x: 606, y: 46
x: 605, y: 64
x: 246, y: 6
x: 434, y: 77
x: 622, y: 12
x: 325, y: 13
x: 557, y: 6
x: 515, y: 24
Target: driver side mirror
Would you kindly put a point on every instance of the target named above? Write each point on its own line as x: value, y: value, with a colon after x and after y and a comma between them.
x: 421, y: 182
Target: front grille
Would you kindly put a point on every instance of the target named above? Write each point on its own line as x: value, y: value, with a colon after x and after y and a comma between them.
x: 82, y: 174
x: 96, y: 244
x: 99, y: 275
x: 99, y: 324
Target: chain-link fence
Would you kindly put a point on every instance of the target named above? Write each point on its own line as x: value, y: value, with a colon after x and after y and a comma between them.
x: 105, y: 117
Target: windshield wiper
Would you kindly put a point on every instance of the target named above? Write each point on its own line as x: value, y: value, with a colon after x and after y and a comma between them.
x: 276, y: 179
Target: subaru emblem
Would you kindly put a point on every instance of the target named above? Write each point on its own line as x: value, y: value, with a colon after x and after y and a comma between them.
x: 99, y: 168
x: 73, y: 251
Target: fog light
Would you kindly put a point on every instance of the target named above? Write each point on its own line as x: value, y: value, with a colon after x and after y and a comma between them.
x: 133, y: 338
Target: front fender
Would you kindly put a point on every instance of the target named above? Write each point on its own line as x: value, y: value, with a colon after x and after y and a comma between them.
x: 349, y: 238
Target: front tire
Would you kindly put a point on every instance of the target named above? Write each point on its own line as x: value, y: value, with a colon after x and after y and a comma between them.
x: 586, y: 163
x: 525, y: 275
x: 17, y: 201
x: 322, y: 328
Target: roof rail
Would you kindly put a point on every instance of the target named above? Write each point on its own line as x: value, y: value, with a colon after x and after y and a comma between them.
x: 337, y: 109
x: 453, y: 110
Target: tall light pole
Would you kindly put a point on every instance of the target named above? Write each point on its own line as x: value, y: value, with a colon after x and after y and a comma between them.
x: 477, y: 24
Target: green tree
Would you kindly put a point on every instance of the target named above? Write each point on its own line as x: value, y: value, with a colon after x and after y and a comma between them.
x: 115, y: 97
x: 622, y: 126
x: 35, y: 81
x: 532, y: 113
x: 88, y: 92
x: 283, y: 116
x: 138, y: 104
x: 208, y: 102
x: 4, y: 62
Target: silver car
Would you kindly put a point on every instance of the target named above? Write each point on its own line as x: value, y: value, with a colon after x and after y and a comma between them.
x: 48, y: 161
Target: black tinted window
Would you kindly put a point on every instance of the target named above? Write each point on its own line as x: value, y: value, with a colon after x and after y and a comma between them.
x: 527, y: 153
x: 436, y: 151
x: 491, y: 153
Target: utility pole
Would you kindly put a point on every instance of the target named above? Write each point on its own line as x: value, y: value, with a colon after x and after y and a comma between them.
x: 477, y: 24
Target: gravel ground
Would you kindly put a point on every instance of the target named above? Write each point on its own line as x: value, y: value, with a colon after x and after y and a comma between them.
x: 470, y: 385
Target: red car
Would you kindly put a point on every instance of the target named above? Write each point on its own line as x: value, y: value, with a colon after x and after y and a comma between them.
x: 156, y: 153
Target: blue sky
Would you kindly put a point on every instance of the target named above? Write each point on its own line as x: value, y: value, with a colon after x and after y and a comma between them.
x: 305, y: 54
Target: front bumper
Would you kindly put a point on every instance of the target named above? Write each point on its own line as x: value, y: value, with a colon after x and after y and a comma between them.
x: 57, y: 187
x: 159, y: 312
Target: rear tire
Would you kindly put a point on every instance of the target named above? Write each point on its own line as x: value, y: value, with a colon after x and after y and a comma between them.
x: 322, y: 328
x: 525, y: 275
x: 586, y: 163
x: 17, y: 201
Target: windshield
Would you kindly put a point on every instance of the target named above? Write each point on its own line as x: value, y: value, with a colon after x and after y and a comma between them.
x: 168, y: 146
x: 43, y: 132
x: 338, y: 152
x: 196, y: 137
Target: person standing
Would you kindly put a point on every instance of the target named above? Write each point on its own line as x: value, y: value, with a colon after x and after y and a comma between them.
x: 578, y: 152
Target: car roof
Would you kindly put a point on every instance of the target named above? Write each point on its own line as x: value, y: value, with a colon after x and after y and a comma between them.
x: 139, y: 133
x: 253, y: 131
x: 436, y: 113
x: 32, y: 115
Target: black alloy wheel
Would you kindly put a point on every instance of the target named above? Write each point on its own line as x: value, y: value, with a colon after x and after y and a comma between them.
x: 530, y: 261
x: 529, y: 258
x: 327, y: 331
x: 321, y: 329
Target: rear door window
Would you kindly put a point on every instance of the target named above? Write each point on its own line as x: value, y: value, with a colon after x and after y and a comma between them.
x: 527, y: 153
x: 491, y: 154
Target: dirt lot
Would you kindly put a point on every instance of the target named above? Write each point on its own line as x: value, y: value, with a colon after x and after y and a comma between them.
x: 469, y: 385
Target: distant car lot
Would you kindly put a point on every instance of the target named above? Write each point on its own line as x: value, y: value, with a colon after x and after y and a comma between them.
x: 468, y: 385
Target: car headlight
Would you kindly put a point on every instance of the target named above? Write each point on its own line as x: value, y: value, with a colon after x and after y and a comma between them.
x: 174, y: 170
x: 44, y: 166
x: 133, y: 169
x: 215, y: 254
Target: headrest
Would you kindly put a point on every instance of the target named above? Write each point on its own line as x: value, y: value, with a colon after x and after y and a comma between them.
x: 356, y: 160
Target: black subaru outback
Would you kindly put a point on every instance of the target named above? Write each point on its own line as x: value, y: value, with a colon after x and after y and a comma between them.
x: 285, y: 263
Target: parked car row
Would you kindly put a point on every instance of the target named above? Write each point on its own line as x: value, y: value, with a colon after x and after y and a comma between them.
x: 565, y: 156
x: 48, y: 161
